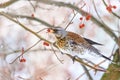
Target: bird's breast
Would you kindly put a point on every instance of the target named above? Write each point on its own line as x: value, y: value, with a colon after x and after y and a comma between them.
x: 66, y: 46
x: 61, y: 43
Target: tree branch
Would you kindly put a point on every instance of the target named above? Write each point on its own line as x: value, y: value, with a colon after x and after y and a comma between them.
x: 83, y: 63
x: 112, y: 11
x: 6, y: 4
x: 87, y: 72
x: 10, y: 18
x: 114, y: 69
x: 62, y: 4
x: 28, y: 17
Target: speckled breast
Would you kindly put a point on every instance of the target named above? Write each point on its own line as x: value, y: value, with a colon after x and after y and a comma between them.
x: 68, y: 47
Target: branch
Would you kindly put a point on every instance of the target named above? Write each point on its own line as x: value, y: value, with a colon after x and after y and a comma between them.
x: 112, y: 11
x: 83, y: 63
x: 21, y: 25
x: 33, y: 50
x: 87, y: 73
x: 74, y: 14
x: 114, y: 69
x: 25, y: 51
x: 28, y: 17
x: 62, y: 4
x: 6, y: 4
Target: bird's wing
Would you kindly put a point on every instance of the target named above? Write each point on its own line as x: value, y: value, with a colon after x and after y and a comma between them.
x: 78, y: 40
x: 92, y: 42
x: 75, y: 37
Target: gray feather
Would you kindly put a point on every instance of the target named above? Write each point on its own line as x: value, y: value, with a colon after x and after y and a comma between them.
x: 92, y: 42
x: 93, y: 49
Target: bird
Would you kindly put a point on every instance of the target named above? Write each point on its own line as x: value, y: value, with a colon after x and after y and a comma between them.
x: 74, y: 44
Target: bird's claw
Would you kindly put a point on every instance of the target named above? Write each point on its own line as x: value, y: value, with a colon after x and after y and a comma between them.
x: 74, y: 57
x: 62, y: 53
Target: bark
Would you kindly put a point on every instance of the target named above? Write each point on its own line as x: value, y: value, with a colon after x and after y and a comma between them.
x: 113, y: 69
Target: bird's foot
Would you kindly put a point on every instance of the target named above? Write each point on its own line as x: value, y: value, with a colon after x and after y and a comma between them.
x: 74, y: 57
x: 62, y: 53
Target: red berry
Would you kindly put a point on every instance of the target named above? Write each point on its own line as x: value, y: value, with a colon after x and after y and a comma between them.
x: 81, y: 18
x: 88, y: 17
x: 114, y: 7
x: 48, y: 30
x: 109, y: 9
x: 32, y: 15
x: 81, y: 25
x: 46, y: 43
x: 23, y: 60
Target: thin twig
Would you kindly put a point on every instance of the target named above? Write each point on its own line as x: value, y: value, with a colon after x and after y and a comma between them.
x: 25, y: 51
x: 23, y: 26
x: 7, y: 16
x: 34, y: 50
x: 61, y: 61
x: 97, y: 12
x: 95, y: 66
x: 82, y: 75
x: 87, y: 72
x: 41, y: 30
x: 32, y: 46
x: 83, y: 63
x: 74, y: 14
x: 112, y: 11
x: 28, y: 17
x: 6, y: 4
x: 32, y: 5
x: 105, y: 27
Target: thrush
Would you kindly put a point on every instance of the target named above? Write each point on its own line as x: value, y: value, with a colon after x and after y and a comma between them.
x: 72, y: 43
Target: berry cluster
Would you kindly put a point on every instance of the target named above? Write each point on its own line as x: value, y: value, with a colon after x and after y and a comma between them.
x: 110, y: 7
x: 87, y: 17
x: 21, y: 58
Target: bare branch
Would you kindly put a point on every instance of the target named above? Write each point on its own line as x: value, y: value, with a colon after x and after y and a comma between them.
x: 62, y: 4
x: 25, y: 51
x: 87, y: 72
x: 28, y: 17
x: 6, y: 4
x: 112, y: 11
x: 74, y: 14
x: 21, y: 25
x: 83, y: 63
x: 61, y: 61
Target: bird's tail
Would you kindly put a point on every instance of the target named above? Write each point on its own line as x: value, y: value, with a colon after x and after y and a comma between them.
x: 107, y: 58
x: 93, y: 49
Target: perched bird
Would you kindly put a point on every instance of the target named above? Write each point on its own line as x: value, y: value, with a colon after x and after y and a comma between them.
x: 74, y: 44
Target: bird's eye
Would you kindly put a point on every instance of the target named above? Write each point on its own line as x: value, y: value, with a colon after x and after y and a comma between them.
x: 55, y: 30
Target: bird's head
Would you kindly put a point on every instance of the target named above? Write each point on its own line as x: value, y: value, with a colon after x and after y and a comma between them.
x: 59, y: 32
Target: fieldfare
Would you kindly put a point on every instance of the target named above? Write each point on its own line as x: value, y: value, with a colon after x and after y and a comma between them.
x: 74, y: 44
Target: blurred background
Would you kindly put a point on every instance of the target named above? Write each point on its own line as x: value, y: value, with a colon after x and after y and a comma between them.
x: 40, y: 62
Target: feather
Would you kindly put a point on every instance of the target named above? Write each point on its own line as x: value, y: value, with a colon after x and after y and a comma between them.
x: 92, y: 42
x: 93, y: 49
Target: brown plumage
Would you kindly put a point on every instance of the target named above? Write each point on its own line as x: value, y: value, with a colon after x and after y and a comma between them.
x: 72, y: 43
